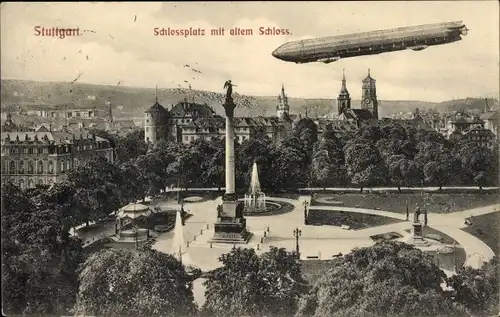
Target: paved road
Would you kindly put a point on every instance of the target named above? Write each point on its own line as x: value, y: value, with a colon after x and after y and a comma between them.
x: 353, y: 189
x: 322, y: 241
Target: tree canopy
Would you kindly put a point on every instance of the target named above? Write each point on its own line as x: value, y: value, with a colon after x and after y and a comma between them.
x: 387, y: 279
x: 124, y: 282
x: 251, y: 285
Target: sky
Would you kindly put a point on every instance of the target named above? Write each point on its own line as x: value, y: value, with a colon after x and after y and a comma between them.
x: 120, y: 46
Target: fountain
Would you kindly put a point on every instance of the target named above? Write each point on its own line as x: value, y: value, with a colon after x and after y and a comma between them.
x: 255, y: 199
x: 179, y: 248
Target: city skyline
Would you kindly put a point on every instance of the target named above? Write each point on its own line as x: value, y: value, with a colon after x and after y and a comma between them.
x: 127, y: 50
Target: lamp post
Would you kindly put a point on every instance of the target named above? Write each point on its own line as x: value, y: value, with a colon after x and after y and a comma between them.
x: 306, y: 204
x: 407, y: 211
x: 135, y: 235
x: 182, y: 211
x: 297, y: 233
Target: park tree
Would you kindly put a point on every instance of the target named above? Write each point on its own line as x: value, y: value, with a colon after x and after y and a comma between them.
x: 98, y: 184
x: 387, y: 279
x: 402, y: 171
x: 306, y: 131
x: 479, y: 163
x: 39, y: 258
x: 137, y: 186
x: 259, y: 151
x: 130, y: 146
x: 326, y: 162
x: 371, y: 133
x: 124, y: 282
x: 214, y: 167
x: 394, y: 131
x: 478, y: 289
x: 289, y: 166
x: 251, y: 285
x: 443, y: 169
x: 365, y: 167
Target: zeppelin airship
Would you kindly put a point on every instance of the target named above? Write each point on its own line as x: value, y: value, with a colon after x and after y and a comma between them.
x: 333, y: 48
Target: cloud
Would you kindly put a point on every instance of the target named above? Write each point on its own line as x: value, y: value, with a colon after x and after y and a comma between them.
x: 123, y: 46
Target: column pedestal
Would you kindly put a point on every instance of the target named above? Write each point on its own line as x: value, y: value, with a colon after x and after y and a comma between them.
x: 417, y: 237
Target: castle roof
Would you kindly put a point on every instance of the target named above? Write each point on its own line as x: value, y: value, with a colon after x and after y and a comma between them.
x: 49, y: 137
x: 156, y: 107
x: 185, y: 109
x: 362, y: 114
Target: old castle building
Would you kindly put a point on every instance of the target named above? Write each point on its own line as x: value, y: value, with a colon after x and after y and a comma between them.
x: 187, y: 121
x: 45, y: 158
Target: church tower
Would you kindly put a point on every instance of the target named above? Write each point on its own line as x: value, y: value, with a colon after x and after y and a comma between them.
x: 344, y: 99
x: 109, y: 119
x: 369, y: 96
x: 282, y: 107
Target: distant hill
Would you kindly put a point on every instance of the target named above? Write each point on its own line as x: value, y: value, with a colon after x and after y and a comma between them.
x: 132, y: 101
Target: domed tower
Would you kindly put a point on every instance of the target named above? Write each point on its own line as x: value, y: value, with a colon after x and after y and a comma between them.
x: 282, y: 107
x: 155, y: 123
x: 369, y: 96
x: 344, y: 99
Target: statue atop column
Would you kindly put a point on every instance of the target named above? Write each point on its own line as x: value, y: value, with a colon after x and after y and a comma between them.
x: 228, y: 102
x: 416, y: 213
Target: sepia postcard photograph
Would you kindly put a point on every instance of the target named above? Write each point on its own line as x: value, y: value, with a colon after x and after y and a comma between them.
x: 250, y: 159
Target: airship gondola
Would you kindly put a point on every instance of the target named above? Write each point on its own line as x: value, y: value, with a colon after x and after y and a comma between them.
x: 333, y: 48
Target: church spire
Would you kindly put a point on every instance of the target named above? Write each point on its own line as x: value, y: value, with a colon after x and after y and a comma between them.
x: 156, y: 94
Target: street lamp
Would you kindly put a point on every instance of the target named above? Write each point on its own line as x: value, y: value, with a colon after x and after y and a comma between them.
x: 306, y: 204
x: 297, y: 233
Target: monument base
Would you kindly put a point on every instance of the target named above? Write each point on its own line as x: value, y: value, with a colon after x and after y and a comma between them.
x: 417, y: 237
x: 231, y: 226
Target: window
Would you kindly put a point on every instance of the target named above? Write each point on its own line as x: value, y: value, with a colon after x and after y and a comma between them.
x: 40, y: 150
x: 21, y: 167
x: 62, y: 166
x: 30, y: 150
x: 51, y: 167
x: 3, y: 167
x: 12, y: 167
x: 186, y: 138
x: 147, y: 139
x: 40, y: 167
x: 147, y: 129
x: 67, y: 165
x: 31, y: 168
x: 30, y: 183
x: 21, y: 183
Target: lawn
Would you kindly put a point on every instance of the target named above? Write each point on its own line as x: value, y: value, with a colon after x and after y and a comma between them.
x: 396, y: 202
x: 487, y: 229
x: 354, y: 220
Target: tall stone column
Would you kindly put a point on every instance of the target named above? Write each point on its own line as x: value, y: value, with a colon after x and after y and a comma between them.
x: 231, y: 224
x: 230, y: 188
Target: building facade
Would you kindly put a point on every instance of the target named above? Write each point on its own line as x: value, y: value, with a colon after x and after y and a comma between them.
x: 45, y: 158
x: 188, y: 121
